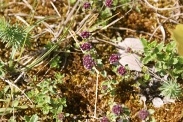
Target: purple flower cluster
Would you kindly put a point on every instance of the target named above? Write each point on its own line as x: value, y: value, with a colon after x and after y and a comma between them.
x: 114, y: 58
x: 143, y: 114
x: 104, y: 87
x: 117, y: 109
x: 104, y: 119
x: 86, y: 5
x: 88, y: 62
x: 85, y: 34
x: 61, y: 116
x: 86, y: 46
x: 121, y: 70
x: 108, y: 3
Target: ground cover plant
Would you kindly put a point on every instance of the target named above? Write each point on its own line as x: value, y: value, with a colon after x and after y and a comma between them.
x: 91, y: 60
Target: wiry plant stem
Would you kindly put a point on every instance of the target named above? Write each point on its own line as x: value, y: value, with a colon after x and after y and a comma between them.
x: 96, y: 93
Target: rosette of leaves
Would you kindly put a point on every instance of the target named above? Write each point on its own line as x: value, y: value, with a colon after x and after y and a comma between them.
x: 171, y: 89
x: 14, y: 35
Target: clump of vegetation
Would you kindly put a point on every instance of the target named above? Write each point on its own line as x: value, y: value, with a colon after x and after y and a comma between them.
x: 13, y: 35
x: 171, y: 89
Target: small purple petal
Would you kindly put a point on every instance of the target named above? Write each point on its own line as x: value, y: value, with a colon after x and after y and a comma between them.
x: 104, y: 119
x: 117, y: 109
x: 86, y: 46
x: 121, y: 70
x: 108, y: 3
x: 61, y: 116
x: 88, y: 62
x: 143, y: 114
x: 104, y: 87
x: 86, y: 5
x: 114, y: 58
x: 85, y: 34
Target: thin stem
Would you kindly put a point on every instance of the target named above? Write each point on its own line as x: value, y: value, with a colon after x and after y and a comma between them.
x: 96, y: 93
x: 12, y: 56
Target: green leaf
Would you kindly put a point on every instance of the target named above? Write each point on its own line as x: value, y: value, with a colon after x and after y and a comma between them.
x: 153, y: 119
x: 152, y: 44
x: 62, y: 101
x: 26, y: 118
x: 59, y: 77
x: 60, y: 109
x: 147, y: 52
x: 137, y: 8
x: 151, y: 111
x: 170, y: 47
x: 55, y: 62
x: 67, y: 114
x: 147, y: 76
x: 99, y: 63
x: 104, y: 73
x: 160, y: 46
x: 156, y: 50
x: 162, y: 56
x: 159, y: 65
x: 34, y: 118
x: 144, y: 42
x: 42, y: 99
x: 165, y: 66
x: 44, y: 84
x: 113, y: 92
x: 105, y: 83
x: 115, y: 3
x: 180, y: 59
x: 166, y: 57
x: 15, y: 103
x: 175, y: 61
x: 72, y: 1
x: 46, y: 108
x: 149, y: 58
x: 177, y: 71
x: 126, y: 111
x: 12, y: 119
x: 114, y: 82
x: 6, y: 89
x: 106, y: 13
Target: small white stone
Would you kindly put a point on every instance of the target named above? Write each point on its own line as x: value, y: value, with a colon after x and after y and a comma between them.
x: 157, y: 102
